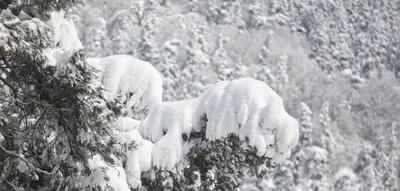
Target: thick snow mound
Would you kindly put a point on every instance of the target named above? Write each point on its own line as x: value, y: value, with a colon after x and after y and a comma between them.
x: 138, y: 82
x: 164, y: 125
x: 245, y: 107
x: 166, y: 117
x: 250, y: 109
x: 138, y: 159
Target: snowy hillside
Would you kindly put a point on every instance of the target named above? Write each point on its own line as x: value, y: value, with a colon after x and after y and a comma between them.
x: 335, y: 64
x: 259, y: 95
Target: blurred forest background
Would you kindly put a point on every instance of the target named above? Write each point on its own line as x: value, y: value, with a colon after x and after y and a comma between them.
x: 336, y: 64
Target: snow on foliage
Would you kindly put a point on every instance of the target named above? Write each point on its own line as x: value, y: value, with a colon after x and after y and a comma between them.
x: 137, y: 82
x: 164, y: 125
x: 138, y: 158
x: 104, y: 176
x: 250, y: 108
x: 65, y: 37
x: 168, y: 117
x: 346, y: 179
x: 244, y: 107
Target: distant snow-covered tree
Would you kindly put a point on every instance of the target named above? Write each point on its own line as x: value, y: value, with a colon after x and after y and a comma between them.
x: 220, y: 59
x: 95, y: 37
x: 313, y: 167
x: 147, y: 48
x: 366, y: 169
x: 282, y: 78
x: 306, y: 126
x: 257, y: 15
x: 120, y: 38
x: 346, y: 180
x: 264, y: 72
x: 225, y: 12
x: 196, y: 64
x: 169, y: 68
x: 284, y: 177
x: 326, y: 139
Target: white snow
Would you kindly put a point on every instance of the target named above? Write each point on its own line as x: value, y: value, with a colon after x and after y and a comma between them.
x: 139, y: 159
x: 126, y: 124
x: 65, y: 37
x: 167, y: 117
x: 172, y: 119
x: 138, y: 82
x: 1, y: 137
x: 249, y: 108
x: 245, y: 107
x: 168, y: 151
x: 104, y: 176
x: 345, y: 172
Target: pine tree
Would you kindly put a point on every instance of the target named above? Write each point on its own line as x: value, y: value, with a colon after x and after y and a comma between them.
x: 40, y: 8
x: 195, y: 65
x: 141, y: 10
x: 220, y: 59
x: 366, y: 169
x: 264, y: 72
x: 147, y: 47
x: 226, y: 12
x: 306, y: 125
x: 52, y: 117
x: 326, y: 139
x: 346, y: 180
x: 284, y: 176
x: 282, y: 78
x: 257, y: 16
x: 312, y: 166
x: 120, y: 38
x: 238, y: 68
x: 169, y: 68
x: 95, y: 38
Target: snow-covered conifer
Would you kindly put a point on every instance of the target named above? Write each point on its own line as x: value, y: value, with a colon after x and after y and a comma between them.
x: 169, y: 68
x: 196, y: 64
x: 306, y: 126
x: 326, y: 139
x: 346, y: 180
x: 220, y: 59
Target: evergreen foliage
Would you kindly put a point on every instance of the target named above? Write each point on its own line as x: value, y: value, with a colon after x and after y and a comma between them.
x: 52, y: 118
